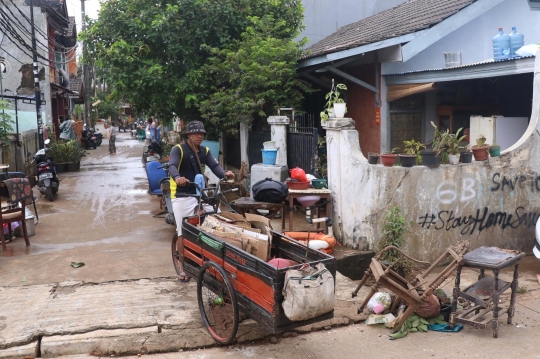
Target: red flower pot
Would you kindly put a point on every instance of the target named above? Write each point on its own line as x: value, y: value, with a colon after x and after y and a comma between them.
x: 388, y: 159
x: 480, y: 153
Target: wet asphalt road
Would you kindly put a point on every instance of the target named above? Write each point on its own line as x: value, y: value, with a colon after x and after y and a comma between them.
x: 102, y: 216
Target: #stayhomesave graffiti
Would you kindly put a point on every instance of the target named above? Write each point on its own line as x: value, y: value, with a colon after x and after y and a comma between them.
x: 483, y: 218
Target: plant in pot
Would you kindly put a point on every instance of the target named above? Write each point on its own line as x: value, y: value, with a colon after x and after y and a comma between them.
x: 432, y: 158
x: 494, y: 150
x: 412, y: 153
x: 454, y: 147
x: 335, y: 105
x: 465, y: 154
x: 389, y: 159
x: 373, y: 158
x: 393, y: 230
x: 75, y: 152
x: 481, y: 149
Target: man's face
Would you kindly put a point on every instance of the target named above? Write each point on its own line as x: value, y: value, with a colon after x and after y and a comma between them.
x: 196, y: 138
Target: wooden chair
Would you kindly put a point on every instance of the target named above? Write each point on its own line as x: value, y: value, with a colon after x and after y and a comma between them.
x: 412, y: 293
x: 13, y: 212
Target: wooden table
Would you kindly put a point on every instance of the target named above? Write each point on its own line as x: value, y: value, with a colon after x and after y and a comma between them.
x: 248, y: 204
x: 296, y: 193
x: 486, y: 291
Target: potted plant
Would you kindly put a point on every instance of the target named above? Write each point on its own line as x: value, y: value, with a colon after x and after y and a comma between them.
x: 481, y: 149
x: 373, y: 158
x: 454, y: 146
x: 432, y: 158
x: 494, y: 150
x: 412, y: 153
x: 466, y: 154
x: 389, y: 159
x: 74, y: 153
x: 335, y: 105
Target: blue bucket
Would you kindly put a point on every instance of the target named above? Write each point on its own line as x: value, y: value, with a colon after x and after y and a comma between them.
x: 269, y: 156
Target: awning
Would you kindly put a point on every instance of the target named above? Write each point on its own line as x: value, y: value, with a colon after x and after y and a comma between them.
x: 396, y: 92
x: 57, y: 90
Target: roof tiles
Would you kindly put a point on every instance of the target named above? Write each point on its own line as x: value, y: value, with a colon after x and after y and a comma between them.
x: 409, y: 17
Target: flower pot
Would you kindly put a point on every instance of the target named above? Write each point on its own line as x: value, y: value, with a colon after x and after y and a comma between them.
x: 373, y: 158
x: 388, y: 159
x: 407, y: 160
x: 430, y: 158
x: 480, y: 153
x: 466, y: 157
x: 60, y: 167
x: 73, y: 166
x: 339, y: 109
x: 494, y: 150
x: 331, y: 113
x: 453, y: 159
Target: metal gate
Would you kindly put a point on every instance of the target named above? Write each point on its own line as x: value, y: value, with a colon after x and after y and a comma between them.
x: 302, y: 147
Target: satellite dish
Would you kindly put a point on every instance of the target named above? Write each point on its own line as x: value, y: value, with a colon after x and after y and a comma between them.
x: 5, y: 68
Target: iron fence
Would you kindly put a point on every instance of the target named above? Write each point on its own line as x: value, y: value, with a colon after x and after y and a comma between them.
x: 302, y: 143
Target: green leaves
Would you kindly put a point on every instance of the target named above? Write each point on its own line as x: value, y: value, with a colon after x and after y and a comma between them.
x: 6, y: 123
x: 170, y: 56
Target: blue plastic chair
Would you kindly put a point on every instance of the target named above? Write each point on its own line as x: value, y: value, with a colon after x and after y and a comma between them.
x: 154, y: 175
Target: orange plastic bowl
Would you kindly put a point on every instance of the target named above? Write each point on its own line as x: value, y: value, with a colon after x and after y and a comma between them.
x: 297, y: 185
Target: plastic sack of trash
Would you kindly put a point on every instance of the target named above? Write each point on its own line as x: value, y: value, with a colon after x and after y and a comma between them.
x: 299, y: 174
x: 528, y: 50
x: 429, y: 308
x: 379, y: 302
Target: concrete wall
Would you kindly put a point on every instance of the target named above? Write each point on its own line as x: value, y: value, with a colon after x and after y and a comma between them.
x: 493, y: 203
x: 324, y: 17
x: 14, y: 79
x: 474, y: 38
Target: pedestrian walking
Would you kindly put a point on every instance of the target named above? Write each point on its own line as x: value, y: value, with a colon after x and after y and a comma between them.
x: 112, y: 140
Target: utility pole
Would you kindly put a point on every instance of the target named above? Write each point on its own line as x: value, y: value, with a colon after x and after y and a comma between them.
x: 86, y: 76
x: 37, y: 90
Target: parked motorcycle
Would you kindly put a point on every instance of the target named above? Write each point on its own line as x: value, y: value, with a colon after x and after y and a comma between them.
x: 88, y: 138
x: 152, y: 152
x: 165, y: 186
x: 48, y: 183
x: 99, y: 136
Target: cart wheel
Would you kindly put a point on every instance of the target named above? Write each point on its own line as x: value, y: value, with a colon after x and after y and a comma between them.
x: 217, y: 302
x: 175, y: 255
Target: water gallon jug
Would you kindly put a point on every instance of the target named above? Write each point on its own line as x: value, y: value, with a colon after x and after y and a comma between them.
x: 501, y: 46
x: 516, y: 41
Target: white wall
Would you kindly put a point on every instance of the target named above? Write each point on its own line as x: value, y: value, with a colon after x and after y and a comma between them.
x: 474, y: 38
x: 324, y: 17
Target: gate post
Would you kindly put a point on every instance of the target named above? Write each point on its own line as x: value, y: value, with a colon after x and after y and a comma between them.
x: 278, y: 126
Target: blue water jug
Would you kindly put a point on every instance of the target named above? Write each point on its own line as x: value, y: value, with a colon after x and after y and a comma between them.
x: 517, y: 40
x: 501, y: 46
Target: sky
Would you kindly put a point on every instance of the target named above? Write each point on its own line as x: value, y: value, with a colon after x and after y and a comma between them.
x: 91, y: 8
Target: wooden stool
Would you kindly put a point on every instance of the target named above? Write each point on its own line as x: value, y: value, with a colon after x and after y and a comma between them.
x: 248, y: 204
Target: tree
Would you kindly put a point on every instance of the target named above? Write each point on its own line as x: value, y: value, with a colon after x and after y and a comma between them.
x: 254, y: 75
x: 6, y: 123
x: 154, y: 54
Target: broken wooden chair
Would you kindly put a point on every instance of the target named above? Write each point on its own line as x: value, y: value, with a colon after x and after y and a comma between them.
x: 412, y: 293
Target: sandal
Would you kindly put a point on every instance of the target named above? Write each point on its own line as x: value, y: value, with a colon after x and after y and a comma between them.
x: 183, y: 278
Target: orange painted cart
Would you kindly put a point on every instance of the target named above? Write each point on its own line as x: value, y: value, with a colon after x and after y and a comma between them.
x: 230, y: 281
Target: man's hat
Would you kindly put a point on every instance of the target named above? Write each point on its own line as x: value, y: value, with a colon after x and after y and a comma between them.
x: 195, y: 127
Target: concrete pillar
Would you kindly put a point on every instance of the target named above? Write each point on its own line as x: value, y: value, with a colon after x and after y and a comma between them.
x: 244, y: 137
x: 336, y: 181
x: 278, y: 126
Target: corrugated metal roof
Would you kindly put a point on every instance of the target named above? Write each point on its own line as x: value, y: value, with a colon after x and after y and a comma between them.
x: 490, y: 61
x: 409, y: 17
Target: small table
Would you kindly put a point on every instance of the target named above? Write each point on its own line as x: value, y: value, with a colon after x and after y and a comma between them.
x: 486, y: 291
x: 296, y: 193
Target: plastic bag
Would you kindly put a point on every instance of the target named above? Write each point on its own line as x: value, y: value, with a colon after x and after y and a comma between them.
x: 429, y: 308
x: 528, y: 50
x: 13, y: 226
x: 379, y: 302
x: 299, y: 174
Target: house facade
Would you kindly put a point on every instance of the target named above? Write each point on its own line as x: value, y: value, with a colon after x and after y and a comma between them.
x: 56, y: 47
x: 398, y: 83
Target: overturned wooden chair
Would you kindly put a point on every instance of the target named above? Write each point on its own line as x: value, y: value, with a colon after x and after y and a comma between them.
x: 412, y: 293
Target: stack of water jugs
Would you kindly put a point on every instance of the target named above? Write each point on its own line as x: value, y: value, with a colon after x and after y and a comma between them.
x: 506, y: 45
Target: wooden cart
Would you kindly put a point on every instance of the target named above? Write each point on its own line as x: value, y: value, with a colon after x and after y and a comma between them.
x: 230, y: 280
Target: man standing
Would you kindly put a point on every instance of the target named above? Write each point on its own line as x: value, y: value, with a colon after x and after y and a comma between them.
x: 112, y: 140
x: 186, y: 161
